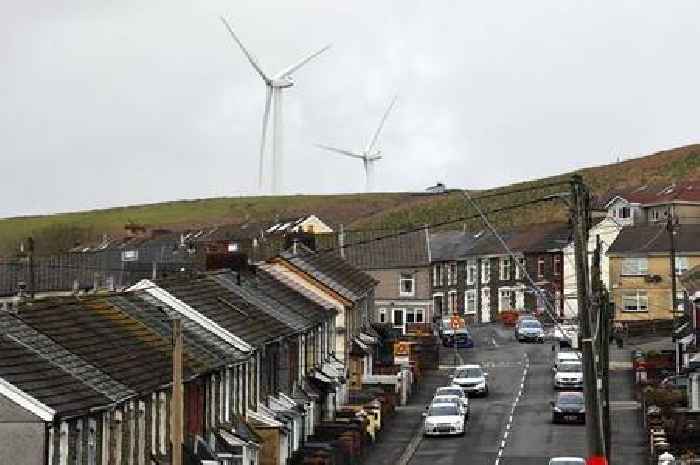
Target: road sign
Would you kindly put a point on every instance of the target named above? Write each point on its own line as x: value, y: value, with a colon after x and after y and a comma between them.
x: 456, y: 322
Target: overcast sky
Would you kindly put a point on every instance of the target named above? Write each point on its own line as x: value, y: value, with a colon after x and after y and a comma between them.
x: 114, y: 103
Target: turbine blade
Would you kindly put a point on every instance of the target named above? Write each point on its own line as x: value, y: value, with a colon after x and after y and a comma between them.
x: 341, y: 151
x: 251, y: 58
x: 266, y: 118
x: 287, y: 71
x: 373, y: 142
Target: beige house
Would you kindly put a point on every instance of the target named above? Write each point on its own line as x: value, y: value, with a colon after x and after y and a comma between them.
x: 640, y: 270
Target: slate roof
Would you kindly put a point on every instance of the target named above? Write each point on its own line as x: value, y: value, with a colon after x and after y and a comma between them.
x: 48, y: 383
x: 281, y: 276
x: 331, y: 270
x: 451, y: 245
x: 227, y: 308
x: 687, y: 191
x: 384, y: 249
x: 653, y: 239
x: 527, y: 239
x: 100, y: 333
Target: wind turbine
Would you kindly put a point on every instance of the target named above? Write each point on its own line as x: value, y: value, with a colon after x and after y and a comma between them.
x: 370, y: 155
x: 275, y: 84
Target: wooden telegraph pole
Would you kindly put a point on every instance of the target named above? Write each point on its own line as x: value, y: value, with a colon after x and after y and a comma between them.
x: 581, y: 222
x: 176, y: 408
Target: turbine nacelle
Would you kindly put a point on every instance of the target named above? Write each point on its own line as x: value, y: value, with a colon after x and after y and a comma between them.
x: 282, y: 83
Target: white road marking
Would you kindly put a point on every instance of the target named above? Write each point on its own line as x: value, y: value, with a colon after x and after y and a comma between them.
x: 509, y: 424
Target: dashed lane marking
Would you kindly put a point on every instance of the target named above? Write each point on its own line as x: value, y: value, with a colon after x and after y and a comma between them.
x: 509, y: 423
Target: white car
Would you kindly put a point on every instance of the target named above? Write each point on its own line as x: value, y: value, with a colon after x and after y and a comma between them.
x: 567, y: 461
x: 443, y: 419
x: 472, y: 378
x: 451, y: 399
x: 569, y: 375
x: 453, y: 391
x: 566, y: 356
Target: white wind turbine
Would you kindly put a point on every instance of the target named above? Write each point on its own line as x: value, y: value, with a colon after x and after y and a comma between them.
x: 275, y: 84
x: 370, y: 154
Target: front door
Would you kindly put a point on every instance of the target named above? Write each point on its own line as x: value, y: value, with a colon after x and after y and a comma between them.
x: 398, y: 320
x: 485, y: 305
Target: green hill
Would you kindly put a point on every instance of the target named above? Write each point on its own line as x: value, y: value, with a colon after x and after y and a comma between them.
x: 57, y: 232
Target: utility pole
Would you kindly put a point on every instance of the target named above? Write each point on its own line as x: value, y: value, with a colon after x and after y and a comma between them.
x: 600, y: 300
x: 672, y: 255
x: 176, y: 407
x: 581, y: 223
x: 32, y: 278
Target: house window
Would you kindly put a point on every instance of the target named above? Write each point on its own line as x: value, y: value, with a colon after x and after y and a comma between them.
x: 485, y: 271
x: 451, y: 274
x: 470, y: 302
x: 680, y: 301
x: 505, y: 268
x: 233, y: 247
x: 438, y: 304
x: 520, y: 267
x: 414, y: 315
x: 471, y: 272
x: 635, y: 301
x: 452, y: 302
x: 623, y: 212
x: 437, y: 275
x: 638, y: 266
x: 540, y: 267
x: 681, y: 265
x: 406, y: 285
x: 382, y: 315
x: 557, y: 265
x: 505, y: 300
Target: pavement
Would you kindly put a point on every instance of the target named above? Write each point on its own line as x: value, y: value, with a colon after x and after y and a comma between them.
x: 513, y: 424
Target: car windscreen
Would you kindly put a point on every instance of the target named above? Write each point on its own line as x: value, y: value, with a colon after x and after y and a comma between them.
x: 448, y: 400
x: 531, y: 324
x: 570, y: 368
x: 571, y: 399
x: 469, y: 373
x: 443, y: 411
x: 450, y: 392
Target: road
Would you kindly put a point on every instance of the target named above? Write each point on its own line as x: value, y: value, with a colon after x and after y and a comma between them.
x: 531, y: 437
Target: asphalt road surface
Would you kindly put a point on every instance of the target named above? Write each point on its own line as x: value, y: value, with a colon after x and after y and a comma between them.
x: 528, y: 432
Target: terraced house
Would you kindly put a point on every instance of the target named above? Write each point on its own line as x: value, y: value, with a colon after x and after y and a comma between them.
x: 640, y: 270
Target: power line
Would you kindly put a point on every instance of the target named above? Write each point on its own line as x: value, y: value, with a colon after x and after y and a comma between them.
x: 518, y: 191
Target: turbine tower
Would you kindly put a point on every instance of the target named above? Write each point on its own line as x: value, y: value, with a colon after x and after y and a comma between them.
x: 275, y: 85
x: 370, y: 155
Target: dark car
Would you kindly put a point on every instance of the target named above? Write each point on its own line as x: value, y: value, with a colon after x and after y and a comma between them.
x: 569, y: 407
x: 464, y: 339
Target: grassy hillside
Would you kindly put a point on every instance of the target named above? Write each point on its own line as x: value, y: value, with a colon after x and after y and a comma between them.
x: 384, y: 210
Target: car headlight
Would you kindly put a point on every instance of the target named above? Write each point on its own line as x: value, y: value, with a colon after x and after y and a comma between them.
x: 481, y: 385
x: 557, y: 409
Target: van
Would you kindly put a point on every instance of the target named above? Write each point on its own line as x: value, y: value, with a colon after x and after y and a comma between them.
x: 565, y: 356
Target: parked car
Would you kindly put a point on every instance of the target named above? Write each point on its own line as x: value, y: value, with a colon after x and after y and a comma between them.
x: 530, y: 331
x: 472, y: 379
x: 569, y: 407
x: 450, y: 399
x: 565, y: 356
x: 462, y: 335
x: 453, y: 391
x: 522, y: 317
x: 679, y: 382
x: 443, y: 419
x: 569, y: 375
x: 567, y: 461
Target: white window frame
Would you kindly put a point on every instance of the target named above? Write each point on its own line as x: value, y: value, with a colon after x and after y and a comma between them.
x: 556, y: 265
x: 540, y: 266
x: 437, y: 275
x: 680, y: 300
x: 634, y: 266
x: 414, y: 313
x: 407, y: 277
x: 471, y: 272
x: 382, y: 315
x: 451, y: 274
x: 470, y: 302
x: 442, y: 303
x: 681, y: 265
x: 505, y: 265
x: 452, y: 302
x: 641, y: 299
x: 485, y: 271
x: 519, y: 266
x: 403, y: 317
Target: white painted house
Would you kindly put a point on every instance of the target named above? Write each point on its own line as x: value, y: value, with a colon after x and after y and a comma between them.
x: 607, y: 229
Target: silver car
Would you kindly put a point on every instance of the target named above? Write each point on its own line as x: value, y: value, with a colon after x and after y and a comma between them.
x: 443, y: 419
